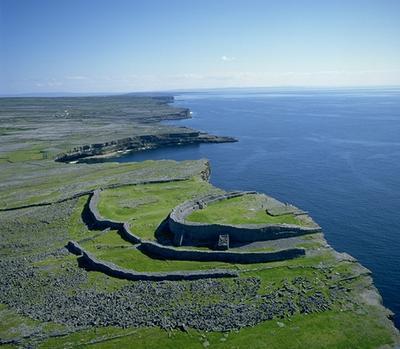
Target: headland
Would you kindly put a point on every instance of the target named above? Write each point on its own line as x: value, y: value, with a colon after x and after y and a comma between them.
x: 151, y: 253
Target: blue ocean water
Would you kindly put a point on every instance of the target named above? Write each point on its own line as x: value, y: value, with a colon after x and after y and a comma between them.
x: 334, y: 153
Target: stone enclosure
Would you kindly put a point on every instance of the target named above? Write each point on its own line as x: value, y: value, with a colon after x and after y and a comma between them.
x: 187, y: 232
x: 217, y: 235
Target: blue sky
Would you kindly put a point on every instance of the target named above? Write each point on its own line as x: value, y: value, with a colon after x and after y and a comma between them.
x: 121, y: 45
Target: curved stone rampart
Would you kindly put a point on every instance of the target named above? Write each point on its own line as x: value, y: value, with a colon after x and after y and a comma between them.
x: 196, y: 231
x: 90, y: 262
x: 167, y: 252
x: 95, y: 220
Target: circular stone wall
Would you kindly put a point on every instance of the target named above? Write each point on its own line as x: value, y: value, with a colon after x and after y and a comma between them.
x: 188, y: 232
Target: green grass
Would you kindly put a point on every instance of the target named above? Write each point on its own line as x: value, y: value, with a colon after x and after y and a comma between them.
x: 76, y: 228
x: 14, y: 325
x: 111, y: 247
x: 247, y: 209
x: 338, y: 330
x: 26, y: 155
x: 47, y: 180
x: 146, y: 206
x: 5, y: 131
x: 127, y: 257
x: 310, y: 245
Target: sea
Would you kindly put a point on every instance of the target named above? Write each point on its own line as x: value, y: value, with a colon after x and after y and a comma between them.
x: 335, y: 153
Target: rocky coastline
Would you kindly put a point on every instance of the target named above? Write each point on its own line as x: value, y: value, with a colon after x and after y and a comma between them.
x: 46, y: 296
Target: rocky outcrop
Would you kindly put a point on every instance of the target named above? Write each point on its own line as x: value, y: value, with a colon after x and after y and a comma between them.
x: 140, y: 143
x: 206, y: 173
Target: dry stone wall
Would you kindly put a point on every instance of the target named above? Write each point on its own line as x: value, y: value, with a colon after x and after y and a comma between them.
x: 97, y: 221
x: 90, y: 262
x: 167, y: 252
x: 194, y: 231
x: 93, y: 219
x: 154, y: 249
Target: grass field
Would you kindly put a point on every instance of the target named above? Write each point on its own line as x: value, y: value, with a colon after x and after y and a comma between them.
x: 146, y: 206
x: 247, y: 209
x: 338, y: 330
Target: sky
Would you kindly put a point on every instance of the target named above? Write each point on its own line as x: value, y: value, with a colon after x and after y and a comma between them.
x: 149, y: 45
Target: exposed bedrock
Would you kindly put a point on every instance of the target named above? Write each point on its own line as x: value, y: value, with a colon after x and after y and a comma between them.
x: 187, y: 231
x: 142, y: 142
x: 207, y: 304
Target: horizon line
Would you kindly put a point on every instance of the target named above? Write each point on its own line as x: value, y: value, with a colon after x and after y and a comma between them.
x: 191, y: 90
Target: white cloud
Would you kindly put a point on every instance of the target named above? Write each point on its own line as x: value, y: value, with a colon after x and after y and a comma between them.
x: 48, y: 83
x: 227, y: 58
x: 76, y: 77
x: 218, y: 78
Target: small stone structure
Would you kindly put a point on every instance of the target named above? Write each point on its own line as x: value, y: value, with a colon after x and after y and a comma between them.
x: 186, y: 232
x: 223, y: 242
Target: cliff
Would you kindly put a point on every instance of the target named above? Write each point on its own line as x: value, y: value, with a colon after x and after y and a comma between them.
x: 140, y: 143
